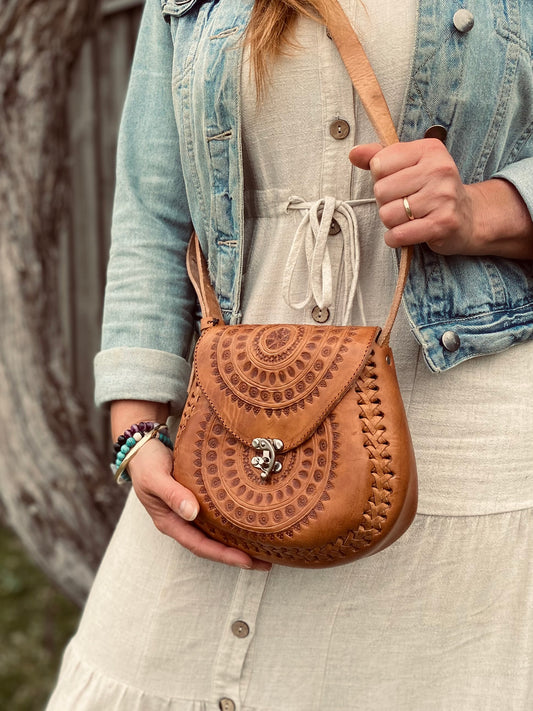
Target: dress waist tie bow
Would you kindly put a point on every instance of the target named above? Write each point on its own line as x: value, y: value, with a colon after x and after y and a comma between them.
x: 311, y: 247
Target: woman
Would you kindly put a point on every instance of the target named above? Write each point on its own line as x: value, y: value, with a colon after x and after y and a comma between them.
x: 245, y: 139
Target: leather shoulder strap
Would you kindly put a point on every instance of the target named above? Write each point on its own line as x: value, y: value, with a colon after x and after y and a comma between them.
x: 367, y: 86
x: 369, y: 91
x: 199, y: 276
x: 361, y: 73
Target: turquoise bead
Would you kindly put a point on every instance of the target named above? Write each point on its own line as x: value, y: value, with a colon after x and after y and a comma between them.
x: 125, y: 449
x: 131, y: 442
x: 120, y: 456
x: 165, y: 440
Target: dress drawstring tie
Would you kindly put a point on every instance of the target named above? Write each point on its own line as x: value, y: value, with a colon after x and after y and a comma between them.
x: 311, y: 244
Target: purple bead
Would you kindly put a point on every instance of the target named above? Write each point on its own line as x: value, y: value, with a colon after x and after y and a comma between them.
x: 127, y: 434
x: 142, y: 426
x: 134, y: 428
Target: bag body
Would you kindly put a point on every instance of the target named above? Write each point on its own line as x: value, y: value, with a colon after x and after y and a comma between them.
x: 294, y: 439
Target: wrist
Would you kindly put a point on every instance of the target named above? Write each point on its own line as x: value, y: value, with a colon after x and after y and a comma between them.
x: 132, y: 441
x: 501, y: 223
x: 125, y: 413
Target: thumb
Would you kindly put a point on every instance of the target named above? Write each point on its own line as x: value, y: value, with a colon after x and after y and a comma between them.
x: 151, y: 474
x: 361, y: 155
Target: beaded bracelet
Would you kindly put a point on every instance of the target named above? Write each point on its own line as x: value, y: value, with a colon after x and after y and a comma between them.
x: 129, y: 443
x: 135, y: 431
x: 134, y: 434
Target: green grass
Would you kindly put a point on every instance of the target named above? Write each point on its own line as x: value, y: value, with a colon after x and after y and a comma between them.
x: 36, y: 621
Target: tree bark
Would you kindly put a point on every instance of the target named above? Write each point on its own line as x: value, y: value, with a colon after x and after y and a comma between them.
x: 56, y: 492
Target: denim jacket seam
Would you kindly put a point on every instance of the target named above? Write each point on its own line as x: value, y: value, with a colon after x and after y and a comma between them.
x: 502, y: 103
x: 520, y: 142
x: 414, y: 84
x: 191, y: 57
x: 235, y: 314
x: 191, y: 154
x: 507, y: 34
x: 458, y: 320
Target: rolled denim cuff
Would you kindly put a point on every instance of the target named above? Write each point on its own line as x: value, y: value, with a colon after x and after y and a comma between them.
x: 126, y: 373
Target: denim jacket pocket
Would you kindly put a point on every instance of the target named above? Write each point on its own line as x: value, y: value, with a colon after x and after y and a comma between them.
x: 176, y: 8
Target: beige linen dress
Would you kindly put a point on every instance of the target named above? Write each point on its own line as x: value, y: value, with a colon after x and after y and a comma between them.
x: 441, y: 620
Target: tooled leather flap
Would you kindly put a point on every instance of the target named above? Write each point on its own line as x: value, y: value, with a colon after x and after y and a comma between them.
x: 279, y: 381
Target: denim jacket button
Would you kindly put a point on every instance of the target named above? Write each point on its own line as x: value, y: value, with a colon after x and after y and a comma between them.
x: 437, y: 131
x: 450, y: 341
x: 339, y: 129
x: 463, y: 20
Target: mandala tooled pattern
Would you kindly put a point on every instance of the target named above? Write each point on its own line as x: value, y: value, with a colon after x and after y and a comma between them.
x: 280, y: 367
x: 352, y: 543
x: 235, y: 493
x: 276, y: 340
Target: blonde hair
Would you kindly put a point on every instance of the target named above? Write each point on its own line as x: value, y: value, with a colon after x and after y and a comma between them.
x: 269, y: 32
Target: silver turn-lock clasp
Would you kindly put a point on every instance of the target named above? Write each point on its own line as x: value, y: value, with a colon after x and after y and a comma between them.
x: 266, y: 463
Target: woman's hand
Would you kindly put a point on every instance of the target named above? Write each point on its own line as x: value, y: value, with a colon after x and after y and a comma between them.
x: 452, y: 218
x: 170, y: 505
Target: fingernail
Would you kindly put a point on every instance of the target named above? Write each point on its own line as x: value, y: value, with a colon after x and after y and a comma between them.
x: 187, y: 510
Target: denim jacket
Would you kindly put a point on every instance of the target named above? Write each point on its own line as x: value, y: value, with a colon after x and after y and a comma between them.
x: 180, y: 163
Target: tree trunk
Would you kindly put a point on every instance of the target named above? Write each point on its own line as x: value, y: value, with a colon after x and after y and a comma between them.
x: 56, y: 492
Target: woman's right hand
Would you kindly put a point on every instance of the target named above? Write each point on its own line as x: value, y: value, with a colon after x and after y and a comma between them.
x: 170, y: 505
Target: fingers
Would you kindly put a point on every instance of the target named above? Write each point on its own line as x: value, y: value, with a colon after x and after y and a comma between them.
x: 445, y: 224
x: 439, y: 211
x: 172, y: 507
x: 200, y: 545
x: 361, y: 155
x: 422, y: 170
x: 436, y: 235
x: 385, y: 161
x: 176, y: 497
x: 394, y: 213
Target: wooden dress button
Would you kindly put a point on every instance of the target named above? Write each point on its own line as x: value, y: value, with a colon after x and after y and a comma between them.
x: 240, y: 629
x: 320, y: 315
x: 339, y: 129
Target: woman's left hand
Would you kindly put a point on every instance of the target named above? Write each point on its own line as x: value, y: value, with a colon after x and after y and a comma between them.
x: 451, y: 217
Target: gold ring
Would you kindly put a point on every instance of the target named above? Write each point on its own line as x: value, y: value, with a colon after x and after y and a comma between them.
x: 407, y: 209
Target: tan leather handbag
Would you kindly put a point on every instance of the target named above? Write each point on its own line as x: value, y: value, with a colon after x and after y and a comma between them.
x: 294, y: 438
